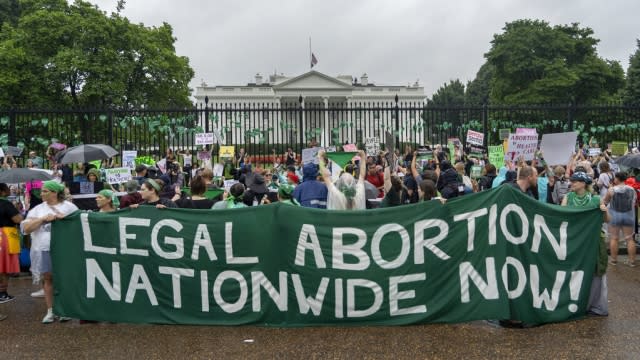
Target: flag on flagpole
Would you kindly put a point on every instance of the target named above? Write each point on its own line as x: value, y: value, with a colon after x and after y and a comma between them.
x: 313, y: 60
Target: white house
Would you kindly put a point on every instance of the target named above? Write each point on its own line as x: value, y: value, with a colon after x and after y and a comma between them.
x: 328, y: 102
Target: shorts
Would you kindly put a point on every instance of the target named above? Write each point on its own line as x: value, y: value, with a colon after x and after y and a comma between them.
x: 626, y: 218
x: 40, y: 262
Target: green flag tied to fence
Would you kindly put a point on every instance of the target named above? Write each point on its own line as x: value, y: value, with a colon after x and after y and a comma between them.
x: 493, y: 255
x: 341, y: 158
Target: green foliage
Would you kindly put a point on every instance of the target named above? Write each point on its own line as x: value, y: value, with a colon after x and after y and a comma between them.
x: 536, y: 63
x: 451, y: 94
x: 479, y: 89
x: 632, y: 88
x: 60, y: 54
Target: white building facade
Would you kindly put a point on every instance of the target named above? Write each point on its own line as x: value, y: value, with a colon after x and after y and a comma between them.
x: 330, y: 106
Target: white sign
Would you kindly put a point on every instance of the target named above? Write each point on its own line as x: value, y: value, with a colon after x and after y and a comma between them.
x: 1, y: 152
x: 129, y: 158
x: 594, y: 151
x: 162, y: 165
x: 310, y: 155
x: 521, y: 145
x: 118, y: 175
x: 187, y: 160
x: 558, y: 148
x: 204, y: 139
x: 372, y: 145
x: 217, y: 136
x: 475, y: 138
x: 228, y: 184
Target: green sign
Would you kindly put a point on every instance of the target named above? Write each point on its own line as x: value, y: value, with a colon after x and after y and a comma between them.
x: 618, y: 148
x: 496, y: 155
x: 493, y: 255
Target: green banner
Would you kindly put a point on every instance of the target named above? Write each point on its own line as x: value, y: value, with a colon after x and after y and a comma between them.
x: 493, y: 255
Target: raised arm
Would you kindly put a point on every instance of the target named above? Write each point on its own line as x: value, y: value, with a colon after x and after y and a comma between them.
x: 363, y: 165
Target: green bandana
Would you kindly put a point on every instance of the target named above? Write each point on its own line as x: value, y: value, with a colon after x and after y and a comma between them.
x: 112, y: 195
x: 53, y: 186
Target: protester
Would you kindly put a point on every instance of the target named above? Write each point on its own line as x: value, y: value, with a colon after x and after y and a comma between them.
x: 489, y: 174
x: 141, y: 174
x: 232, y: 199
x: 132, y: 196
x: 107, y: 201
x: 347, y: 193
x: 621, y: 199
x: 196, y: 200
x: 560, y: 184
x: 449, y: 183
x: 150, y: 191
x: 311, y: 193
x: 285, y: 195
x: 38, y: 224
x: 605, y: 179
x: 9, y: 262
x: 290, y: 157
x: 376, y: 177
x: 581, y: 196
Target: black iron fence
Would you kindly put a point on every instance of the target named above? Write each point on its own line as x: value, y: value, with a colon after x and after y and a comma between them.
x: 263, y: 129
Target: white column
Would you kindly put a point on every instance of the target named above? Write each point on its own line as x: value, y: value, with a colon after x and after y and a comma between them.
x: 324, y: 141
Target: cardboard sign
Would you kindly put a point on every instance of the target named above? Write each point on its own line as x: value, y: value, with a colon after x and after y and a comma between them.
x: 521, y: 145
x: 475, y: 138
x: 526, y: 131
x: 504, y: 134
x: 476, y: 172
x: 310, y: 155
x: 204, y: 155
x: 594, y: 151
x: 349, y: 148
x: 129, y: 158
x: 558, y: 148
x: 227, y: 151
x: 204, y: 139
x: 496, y: 155
x: 618, y: 148
x: 118, y: 175
x: 372, y: 146
x: 13, y: 151
x: 476, y: 151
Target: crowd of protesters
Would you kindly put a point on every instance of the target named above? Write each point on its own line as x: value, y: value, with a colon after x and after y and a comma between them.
x: 386, y: 179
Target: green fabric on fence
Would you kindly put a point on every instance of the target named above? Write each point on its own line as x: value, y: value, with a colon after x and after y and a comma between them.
x: 493, y: 255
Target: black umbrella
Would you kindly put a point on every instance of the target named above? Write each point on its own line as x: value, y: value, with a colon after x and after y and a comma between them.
x: 21, y: 175
x: 86, y: 153
x: 629, y: 161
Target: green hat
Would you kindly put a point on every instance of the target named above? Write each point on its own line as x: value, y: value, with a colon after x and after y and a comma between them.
x: 286, y: 190
x: 54, y: 186
x: 94, y: 172
x: 112, y: 195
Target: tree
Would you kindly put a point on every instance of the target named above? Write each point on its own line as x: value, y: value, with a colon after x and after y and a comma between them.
x: 537, y: 63
x: 75, y: 55
x: 632, y: 88
x: 9, y: 11
x: 478, y: 89
x: 451, y: 94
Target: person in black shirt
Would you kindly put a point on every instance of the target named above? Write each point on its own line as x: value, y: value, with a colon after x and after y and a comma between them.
x: 150, y: 191
x: 9, y: 263
x: 197, y: 200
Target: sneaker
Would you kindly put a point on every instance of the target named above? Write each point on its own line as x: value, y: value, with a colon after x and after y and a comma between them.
x: 49, y: 318
x: 630, y: 263
x: 5, y: 298
x: 613, y: 262
x: 63, y: 318
x: 38, y: 294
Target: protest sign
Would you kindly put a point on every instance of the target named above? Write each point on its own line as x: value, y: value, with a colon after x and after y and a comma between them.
x: 229, y: 183
x: 526, y: 131
x: 330, y: 149
x: 129, y: 158
x: 476, y: 151
x: 227, y: 151
x: 186, y: 159
x: 521, y: 145
x: 204, y: 138
x: 118, y: 175
x: 204, y: 155
x: 618, y: 148
x: 504, y: 134
x: 1, y: 153
x: 349, y: 148
x: 484, y: 256
x: 13, y: 151
x: 372, y: 146
x: 476, y: 171
x: 310, y: 155
x: 496, y: 155
x: 594, y: 151
x: 389, y: 141
x: 475, y: 138
x: 162, y: 165
x: 558, y: 148
x: 454, y: 145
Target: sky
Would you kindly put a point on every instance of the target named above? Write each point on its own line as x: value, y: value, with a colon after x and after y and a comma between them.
x: 393, y: 42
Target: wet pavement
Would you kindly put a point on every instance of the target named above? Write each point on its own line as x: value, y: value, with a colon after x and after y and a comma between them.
x: 614, y: 337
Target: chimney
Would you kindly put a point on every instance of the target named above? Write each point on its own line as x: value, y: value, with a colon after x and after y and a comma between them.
x: 258, y: 79
x: 364, y: 80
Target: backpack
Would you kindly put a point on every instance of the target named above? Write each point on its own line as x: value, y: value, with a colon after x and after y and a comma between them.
x: 622, y: 199
x: 560, y: 189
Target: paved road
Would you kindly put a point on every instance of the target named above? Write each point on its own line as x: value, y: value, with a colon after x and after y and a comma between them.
x: 614, y: 337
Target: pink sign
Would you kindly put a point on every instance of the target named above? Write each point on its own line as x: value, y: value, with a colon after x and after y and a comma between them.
x: 526, y: 131
x: 349, y: 147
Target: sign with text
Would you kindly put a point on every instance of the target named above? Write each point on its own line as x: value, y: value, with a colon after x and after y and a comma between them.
x: 526, y: 131
x: 521, y: 145
x: 227, y: 151
x: 204, y: 138
x: 475, y: 138
x: 594, y: 151
x: 496, y: 155
x: 618, y: 148
x: 557, y: 148
x: 310, y: 155
x: 492, y: 255
x: 129, y: 158
x: 204, y: 155
x: 118, y: 175
x: 349, y: 148
x: 372, y: 146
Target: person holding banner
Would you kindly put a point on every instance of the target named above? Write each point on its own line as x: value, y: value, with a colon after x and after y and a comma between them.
x: 38, y: 224
x: 347, y: 193
x: 581, y: 196
x: 107, y: 201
